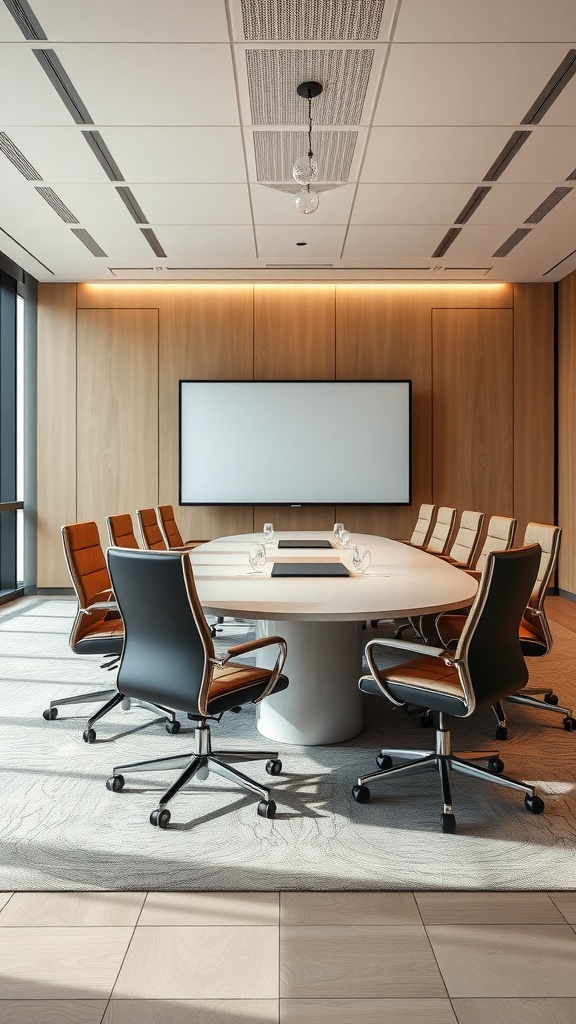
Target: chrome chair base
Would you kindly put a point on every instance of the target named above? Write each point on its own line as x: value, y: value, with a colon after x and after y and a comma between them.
x: 112, y: 698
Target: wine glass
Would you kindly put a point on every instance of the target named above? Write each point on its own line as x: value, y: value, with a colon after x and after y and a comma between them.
x: 344, y: 538
x: 268, y: 531
x: 361, y: 557
x: 257, y: 557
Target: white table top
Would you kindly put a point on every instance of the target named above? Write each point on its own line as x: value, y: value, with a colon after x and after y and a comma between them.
x: 401, y: 581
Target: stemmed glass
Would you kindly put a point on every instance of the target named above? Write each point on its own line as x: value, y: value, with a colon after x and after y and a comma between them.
x: 361, y: 558
x: 268, y: 531
x: 257, y: 557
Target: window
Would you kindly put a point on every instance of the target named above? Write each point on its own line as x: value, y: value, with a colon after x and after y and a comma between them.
x: 11, y: 437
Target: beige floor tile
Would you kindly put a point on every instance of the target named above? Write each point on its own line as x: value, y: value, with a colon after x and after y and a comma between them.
x: 487, y: 908
x: 4, y: 897
x: 348, y: 908
x: 107, y: 909
x: 566, y: 903
x: 366, y: 1011
x: 60, y: 963
x: 210, y: 908
x: 515, y: 1011
x: 506, y: 960
x: 357, y: 962
x: 52, y: 1011
x: 192, y: 1011
x: 230, y: 962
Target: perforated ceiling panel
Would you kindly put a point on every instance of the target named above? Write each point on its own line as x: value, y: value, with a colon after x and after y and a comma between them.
x: 275, y: 153
x: 312, y: 19
x: 274, y: 74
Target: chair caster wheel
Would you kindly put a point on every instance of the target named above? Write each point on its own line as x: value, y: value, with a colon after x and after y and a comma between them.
x: 448, y: 823
x: 89, y: 736
x: 569, y: 724
x: 550, y: 698
x: 160, y: 818
x: 274, y: 766
x: 115, y: 783
x: 501, y: 732
x: 427, y: 721
x: 173, y: 727
x: 384, y: 761
x: 361, y: 794
x: 50, y: 714
x: 495, y: 765
x: 533, y: 804
x: 266, y: 809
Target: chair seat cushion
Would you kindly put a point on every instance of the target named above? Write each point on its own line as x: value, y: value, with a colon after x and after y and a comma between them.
x: 104, y: 637
x: 427, y: 682
x: 531, y: 643
x: 235, y: 684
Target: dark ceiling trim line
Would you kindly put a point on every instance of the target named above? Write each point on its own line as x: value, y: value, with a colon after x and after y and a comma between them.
x: 548, y: 204
x: 25, y: 18
x: 132, y: 205
x: 472, y: 205
x: 563, y: 260
x: 103, y: 155
x: 512, y: 241
x: 515, y: 142
x: 86, y: 238
x: 24, y: 249
x: 16, y: 157
x: 446, y: 242
x: 53, y: 68
x: 59, y: 207
x: 551, y: 91
x: 153, y: 241
x: 572, y: 176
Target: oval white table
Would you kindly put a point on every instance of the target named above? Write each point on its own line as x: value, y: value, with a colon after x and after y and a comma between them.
x: 321, y: 619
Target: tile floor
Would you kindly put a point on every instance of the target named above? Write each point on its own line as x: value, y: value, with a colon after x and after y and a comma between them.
x: 288, y: 958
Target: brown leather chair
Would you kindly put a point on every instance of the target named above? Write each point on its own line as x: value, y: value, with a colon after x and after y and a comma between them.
x: 170, y: 530
x: 121, y: 531
x: 487, y: 666
x: 169, y: 656
x: 152, y: 536
x: 97, y: 627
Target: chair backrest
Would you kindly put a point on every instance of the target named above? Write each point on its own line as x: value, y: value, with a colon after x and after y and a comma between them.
x: 440, y: 536
x: 466, y: 541
x: 167, y: 639
x: 423, y: 526
x: 170, y: 531
x: 548, y: 537
x: 121, y: 531
x: 499, y: 537
x: 89, y: 575
x: 152, y: 538
x: 489, y: 645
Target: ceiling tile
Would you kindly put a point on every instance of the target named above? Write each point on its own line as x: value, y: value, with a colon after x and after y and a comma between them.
x: 9, y: 31
x: 409, y: 203
x: 480, y: 240
x: 394, y: 241
x: 563, y: 110
x: 156, y: 155
x: 32, y: 100
x: 189, y: 241
x: 58, y: 154
x: 549, y: 155
x: 505, y: 204
x: 274, y: 207
x: 550, y: 240
x: 278, y: 243
x: 195, y: 204
x: 492, y: 20
x: 431, y: 154
x: 122, y: 240
x: 95, y: 204
x: 133, y: 20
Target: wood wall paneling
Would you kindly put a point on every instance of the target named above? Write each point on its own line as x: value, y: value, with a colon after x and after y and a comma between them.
x: 56, y: 427
x: 117, y: 412
x: 567, y: 432
x: 472, y: 388
x: 294, y: 328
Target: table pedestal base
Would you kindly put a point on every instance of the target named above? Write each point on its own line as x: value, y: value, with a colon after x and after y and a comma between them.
x: 322, y: 704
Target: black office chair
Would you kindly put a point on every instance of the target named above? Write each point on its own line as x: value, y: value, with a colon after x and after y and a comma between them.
x: 486, y: 667
x: 169, y: 656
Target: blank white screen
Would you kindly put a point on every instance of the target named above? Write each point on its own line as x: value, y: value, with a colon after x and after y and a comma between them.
x: 294, y: 442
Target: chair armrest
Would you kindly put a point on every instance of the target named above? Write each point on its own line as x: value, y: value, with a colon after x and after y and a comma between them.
x: 100, y: 606
x: 256, y: 645
x: 474, y: 573
x: 410, y: 645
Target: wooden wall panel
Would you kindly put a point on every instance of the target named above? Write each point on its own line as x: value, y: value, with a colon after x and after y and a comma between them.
x: 567, y: 432
x: 117, y: 412
x: 534, y: 372
x: 206, y: 333
x: 294, y: 330
x: 56, y: 427
x: 472, y: 387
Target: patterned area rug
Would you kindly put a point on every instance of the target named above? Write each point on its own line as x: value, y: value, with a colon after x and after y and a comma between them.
x: 62, y: 829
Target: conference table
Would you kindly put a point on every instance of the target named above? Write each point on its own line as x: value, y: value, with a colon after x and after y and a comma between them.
x: 322, y: 619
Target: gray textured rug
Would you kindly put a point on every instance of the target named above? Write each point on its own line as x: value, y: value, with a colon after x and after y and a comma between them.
x: 61, y: 828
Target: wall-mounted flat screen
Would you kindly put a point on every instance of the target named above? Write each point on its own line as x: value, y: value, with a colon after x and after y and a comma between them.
x: 295, y: 442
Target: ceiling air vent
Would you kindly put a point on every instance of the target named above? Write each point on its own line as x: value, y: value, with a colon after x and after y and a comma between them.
x: 153, y: 241
x: 515, y: 142
x: 446, y: 242
x: 311, y: 19
x: 131, y: 204
x: 103, y: 155
x: 275, y: 153
x: 25, y: 18
x: 17, y: 158
x: 555, y: 197
x: 552, y: 89
x: 511, y: 242
x: 472, y: 205
x: 57, y: 205
x: 87, y: 240
x: 66, y: 91
x: 274, y: 74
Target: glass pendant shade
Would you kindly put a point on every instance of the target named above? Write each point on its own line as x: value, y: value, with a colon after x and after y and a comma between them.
x: 307, y: 201
x: 305, y: 170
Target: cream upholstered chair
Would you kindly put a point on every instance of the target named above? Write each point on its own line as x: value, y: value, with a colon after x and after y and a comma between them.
x: 423, y: 527
x: 170, y: 531
x: 121, y: 531
x: 486, y: 666
x: 466, y: 541
x: 499, y: 537
x: 152, y: 536
x: 442, y: 531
